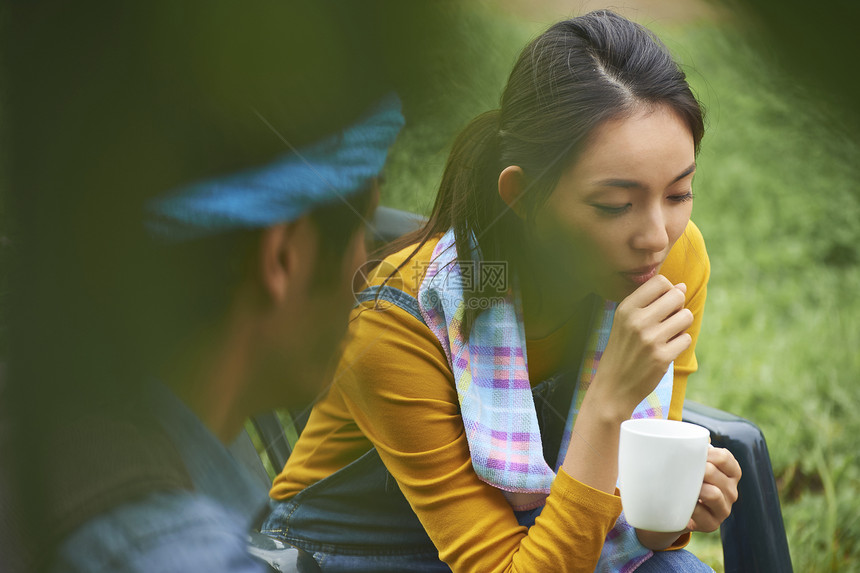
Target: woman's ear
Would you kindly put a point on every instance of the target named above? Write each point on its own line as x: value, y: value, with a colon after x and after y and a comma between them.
x: 511, y: 187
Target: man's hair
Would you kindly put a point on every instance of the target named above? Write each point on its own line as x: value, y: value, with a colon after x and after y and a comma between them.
x: 337, y: 223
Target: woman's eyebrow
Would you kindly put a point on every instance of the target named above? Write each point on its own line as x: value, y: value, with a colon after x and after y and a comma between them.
x: 688, y: 171
x: 630, y: 184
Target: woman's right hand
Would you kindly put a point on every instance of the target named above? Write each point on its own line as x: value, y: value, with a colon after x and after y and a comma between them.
x: 648, y: 333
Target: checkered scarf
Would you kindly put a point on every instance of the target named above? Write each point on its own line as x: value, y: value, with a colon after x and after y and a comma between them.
x: 491, y: 374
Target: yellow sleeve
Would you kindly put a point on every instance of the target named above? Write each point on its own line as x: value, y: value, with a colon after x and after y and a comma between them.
x: 688, y: 263
x: 399, y: 389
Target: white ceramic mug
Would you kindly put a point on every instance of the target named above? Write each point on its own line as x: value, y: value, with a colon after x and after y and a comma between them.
x: 661, y: 465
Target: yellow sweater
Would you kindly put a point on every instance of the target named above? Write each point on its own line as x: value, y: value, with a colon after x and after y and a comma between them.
x: 395, y: 391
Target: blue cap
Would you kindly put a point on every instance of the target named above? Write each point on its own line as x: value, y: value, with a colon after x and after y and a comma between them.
x: 284, y: 189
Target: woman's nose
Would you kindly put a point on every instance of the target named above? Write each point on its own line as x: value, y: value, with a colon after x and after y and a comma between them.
x: 651, y: 233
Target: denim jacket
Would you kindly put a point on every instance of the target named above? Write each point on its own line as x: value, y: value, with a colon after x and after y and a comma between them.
x: 204, y: 529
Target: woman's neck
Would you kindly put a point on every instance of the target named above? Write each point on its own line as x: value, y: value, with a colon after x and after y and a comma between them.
x: 548, y: 304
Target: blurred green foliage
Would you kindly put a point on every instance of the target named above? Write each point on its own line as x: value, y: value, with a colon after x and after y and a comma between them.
x: 778, y: 202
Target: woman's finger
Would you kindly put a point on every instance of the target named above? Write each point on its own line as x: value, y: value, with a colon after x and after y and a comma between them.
x: 703, y: 520
x: 726, y: 462
x: 675, y: 324
x: 714, y: 499
x: 677, y: 345
x: 665, y: 306
x: 726, y: 484
x: 646, y: 294
x: 719, y: 490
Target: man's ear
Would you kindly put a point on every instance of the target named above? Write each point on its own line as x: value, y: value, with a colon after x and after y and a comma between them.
x: 511, y: 187
x: 275, y: 261
x: 283, y: 250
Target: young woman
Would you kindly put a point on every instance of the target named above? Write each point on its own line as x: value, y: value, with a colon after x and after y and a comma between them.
x: 556, y: 290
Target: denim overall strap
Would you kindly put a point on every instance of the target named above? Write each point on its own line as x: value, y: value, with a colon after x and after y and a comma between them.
x: 389, y: 294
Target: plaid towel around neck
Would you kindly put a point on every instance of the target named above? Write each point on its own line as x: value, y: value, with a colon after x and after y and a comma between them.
x: 491, y: 374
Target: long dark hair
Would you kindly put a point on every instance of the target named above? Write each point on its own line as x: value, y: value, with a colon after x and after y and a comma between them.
x: 570, y: 79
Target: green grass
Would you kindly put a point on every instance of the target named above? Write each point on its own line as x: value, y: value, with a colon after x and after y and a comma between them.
x: 777, y: 200
x: 778, y: 203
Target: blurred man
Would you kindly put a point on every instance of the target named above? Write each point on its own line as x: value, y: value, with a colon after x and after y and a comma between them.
x: 294, y: 231
x: 191, y: 184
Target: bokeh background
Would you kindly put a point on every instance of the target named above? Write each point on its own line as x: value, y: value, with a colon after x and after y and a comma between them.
x: 777, y: 193
x: 778, y: 200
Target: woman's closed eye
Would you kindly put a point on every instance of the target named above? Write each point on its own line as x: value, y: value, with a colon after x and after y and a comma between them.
x: 682, y: 197
x: 613, y: 209
x: 606, y: 209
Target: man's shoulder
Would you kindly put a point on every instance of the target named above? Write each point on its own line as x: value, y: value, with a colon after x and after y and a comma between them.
x: 164, y: 531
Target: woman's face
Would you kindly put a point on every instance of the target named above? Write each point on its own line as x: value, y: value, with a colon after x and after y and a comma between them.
x: 617, y: 211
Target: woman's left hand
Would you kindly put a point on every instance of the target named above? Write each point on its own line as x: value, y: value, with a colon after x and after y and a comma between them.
x: 719, y: 491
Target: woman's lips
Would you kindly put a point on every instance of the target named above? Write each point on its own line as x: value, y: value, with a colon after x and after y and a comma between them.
x: 642, y: 275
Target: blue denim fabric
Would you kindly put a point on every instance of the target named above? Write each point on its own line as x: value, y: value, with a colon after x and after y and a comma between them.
x: 182, y: 531
x: 355, y: 520
x: 164, y: 532
x: 680, y: 561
